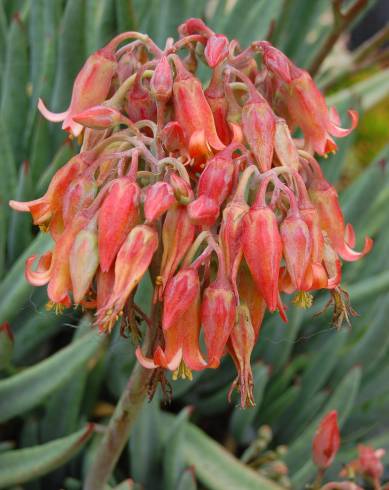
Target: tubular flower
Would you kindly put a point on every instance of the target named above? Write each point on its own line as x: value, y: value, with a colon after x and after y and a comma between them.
x: 118, y: 214
x: 90, y: 88
x: 206, y: 190
x: 304, y: 104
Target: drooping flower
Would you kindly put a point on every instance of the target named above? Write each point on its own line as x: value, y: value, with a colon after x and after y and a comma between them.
x: 90, y: 88
x: 132, y: 262
x: 118, y: 214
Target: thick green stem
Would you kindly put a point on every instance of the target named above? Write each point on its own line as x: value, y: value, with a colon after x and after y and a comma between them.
x: 120, y: 425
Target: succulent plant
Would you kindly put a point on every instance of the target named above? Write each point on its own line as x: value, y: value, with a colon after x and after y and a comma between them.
x: 175, y: 173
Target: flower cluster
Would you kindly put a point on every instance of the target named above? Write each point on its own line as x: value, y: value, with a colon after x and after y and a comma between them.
x: 206, y: 189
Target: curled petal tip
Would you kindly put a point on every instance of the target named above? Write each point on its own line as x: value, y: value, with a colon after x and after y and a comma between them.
x: 350, y: 255
x: 144, y: 361
x: 51, y: 116
x: 41, y: 276
x: 349, y: 235
x: 19, y: 206
x: 336, y: 130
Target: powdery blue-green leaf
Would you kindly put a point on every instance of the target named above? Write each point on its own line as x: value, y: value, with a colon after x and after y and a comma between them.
x: 125, y: 16
x: 100, y: 24
x: 187, y: 481
x: 145, y: 445
x: 14, y: 289
x: 216, y: 468
x: 14, y: 98
x: 19, y: 230
x: 22, y: 465
x: 29, y: 388
x: 173, y: 460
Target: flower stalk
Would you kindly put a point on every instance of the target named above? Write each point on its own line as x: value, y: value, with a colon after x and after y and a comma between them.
x: 123, y: 419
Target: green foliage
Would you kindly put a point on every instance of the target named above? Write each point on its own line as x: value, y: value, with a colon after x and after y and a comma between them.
x: 52, y: 381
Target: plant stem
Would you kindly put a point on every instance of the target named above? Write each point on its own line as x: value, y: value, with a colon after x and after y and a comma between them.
x: 122, y: 421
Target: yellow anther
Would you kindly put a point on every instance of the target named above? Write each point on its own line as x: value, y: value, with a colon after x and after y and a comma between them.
x: 80, y: 138
x: 57, y: 307
x: 182, y: 372
x: 303, y: 300
x: 158, y: 281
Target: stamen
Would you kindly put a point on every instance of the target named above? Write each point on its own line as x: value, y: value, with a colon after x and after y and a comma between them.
x: 182, y: 372
x: 303, y: 300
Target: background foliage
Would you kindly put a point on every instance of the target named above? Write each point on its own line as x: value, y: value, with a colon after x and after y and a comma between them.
x: 56, y: 374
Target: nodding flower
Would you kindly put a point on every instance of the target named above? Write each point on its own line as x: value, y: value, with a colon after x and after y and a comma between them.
x: 193, y: 113
x: 305, y: 105
x: 118, y: 214
x: 91, y: 87
x: 132, y: 262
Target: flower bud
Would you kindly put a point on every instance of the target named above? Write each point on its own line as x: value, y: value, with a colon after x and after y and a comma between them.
x: 90, y: 88
x: 311, y: 218
x: 219, y: 107
x: 284, y: 146
x: 79, y: 195
x: 216, y: 50
x: 262, y: 249
x: 177, y: 237
x: 203, y: 211
x: 140, y: 103
x: 276, y: 62
x: 216, y: 179
x: 173, y: 138
x: 83, y: 262
x: 326, y: 441
x: 180, y: 292
x: 100, y: 117
x: 296, y: 245
x: 194, y: 26
x: 230, y: 233
x: 182, y: 190
x: 128, y: 64
x: 191, y: 108
x: 132, y: 261
x: 218, y: 312
x: 118, y: 214
x: 104, y: 286
x: 159, y: 197
x: 161, y: 82
x: 259, y: 125
x: 60, y: 280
